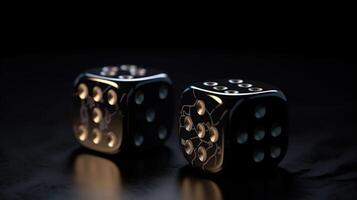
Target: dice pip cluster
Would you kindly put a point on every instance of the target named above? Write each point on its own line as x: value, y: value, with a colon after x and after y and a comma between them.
x: 120, y: 108
x: 233, y: 123
x: 222, y: 123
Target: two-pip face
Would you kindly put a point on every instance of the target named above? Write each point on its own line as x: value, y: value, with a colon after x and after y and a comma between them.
x: 122, y: 107
x: 231, y: 123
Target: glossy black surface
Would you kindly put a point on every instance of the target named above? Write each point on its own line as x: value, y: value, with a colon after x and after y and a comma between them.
x: 262, y: 148
x: 127, y: 119
x: 39, y: 159
x: 230, y: 115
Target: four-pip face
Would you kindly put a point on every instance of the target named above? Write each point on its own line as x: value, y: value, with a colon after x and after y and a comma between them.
x: 121, y: 107
x: 233, y: 122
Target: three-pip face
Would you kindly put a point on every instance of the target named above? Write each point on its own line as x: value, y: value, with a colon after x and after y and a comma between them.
x: 122, y: 107
x: 233, y: 122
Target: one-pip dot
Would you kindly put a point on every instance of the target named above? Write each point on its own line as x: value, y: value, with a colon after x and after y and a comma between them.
x: 258, y: 156
x: 150, y: 115
x: 259, y: 111
x: 139, y: 97
x: 276, y: 130
x: 242, y: 137
x: 259, y: 134
x: 139, y: 139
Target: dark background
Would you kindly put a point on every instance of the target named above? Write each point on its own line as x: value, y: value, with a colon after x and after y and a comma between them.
x: 39, y: 158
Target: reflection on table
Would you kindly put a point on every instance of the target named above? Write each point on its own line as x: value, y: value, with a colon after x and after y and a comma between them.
x: 100, y: 176
x: 96, y: 178
x: 194, y: 184
x: 200, y: 189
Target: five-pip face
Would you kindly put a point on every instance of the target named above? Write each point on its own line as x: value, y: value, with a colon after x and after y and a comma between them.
x: 233, y: 122
x: 121, y: 107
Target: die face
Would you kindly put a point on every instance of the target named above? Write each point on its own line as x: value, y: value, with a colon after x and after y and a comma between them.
x: 99, y: 114
x: 126, y: 73
x: 227, y: 103
x: 150, y: 116
x: 105, y: 118
x: 234, y: 87
x: 202, y: 126
x: 259, y: 131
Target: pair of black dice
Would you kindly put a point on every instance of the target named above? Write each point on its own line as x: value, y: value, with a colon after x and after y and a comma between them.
x: 224, y: 123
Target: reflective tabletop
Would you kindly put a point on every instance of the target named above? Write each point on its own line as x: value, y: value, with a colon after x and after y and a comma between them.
x: 39, y: 158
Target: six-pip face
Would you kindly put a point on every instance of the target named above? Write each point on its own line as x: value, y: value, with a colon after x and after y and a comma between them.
x: 122, y: 107
x: 232, y: 122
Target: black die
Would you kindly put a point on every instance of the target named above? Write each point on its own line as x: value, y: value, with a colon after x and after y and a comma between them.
x: 233, y: 123
x: 117, y: 108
